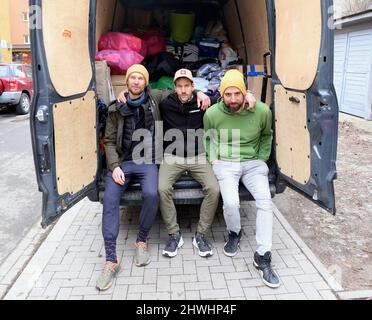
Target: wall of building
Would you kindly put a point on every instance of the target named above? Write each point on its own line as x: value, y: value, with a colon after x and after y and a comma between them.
x: 19, y: 27
x: 20, y: 30
x: 5, y: 34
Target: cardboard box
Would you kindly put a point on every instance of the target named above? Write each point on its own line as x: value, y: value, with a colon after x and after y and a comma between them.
x: 118, y: 80
x: 119, y: 84
x: 103, y: 82
x: 119, y: 89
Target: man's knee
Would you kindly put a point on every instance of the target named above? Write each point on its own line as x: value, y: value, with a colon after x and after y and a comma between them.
x: 212, y: 190
x: 165, y: 188
x: 151, y: 195
x: 265, y: 204
x: 111, y: 198
x: 231, y: 206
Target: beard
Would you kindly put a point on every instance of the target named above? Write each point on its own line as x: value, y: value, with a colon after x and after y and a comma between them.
x: 135, y: 91
x: 235, y: 108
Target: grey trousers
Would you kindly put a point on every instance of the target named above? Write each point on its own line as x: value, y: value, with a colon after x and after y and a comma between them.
x: 254, y: 175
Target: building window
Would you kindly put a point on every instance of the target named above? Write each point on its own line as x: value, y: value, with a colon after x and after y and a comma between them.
x: 25, y: 16
x: 26, y: 39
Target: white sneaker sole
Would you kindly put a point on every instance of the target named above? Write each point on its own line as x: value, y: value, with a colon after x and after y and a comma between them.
x: 230, y: 255
x: 169, y: 254
x: 270, y: 285
x: 202, y: 254
x: 143, y: 264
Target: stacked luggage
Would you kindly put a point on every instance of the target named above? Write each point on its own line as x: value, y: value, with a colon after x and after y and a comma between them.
x: 165, y: 41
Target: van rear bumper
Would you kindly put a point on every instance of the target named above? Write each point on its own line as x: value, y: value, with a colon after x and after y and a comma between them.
x: 186, y: 192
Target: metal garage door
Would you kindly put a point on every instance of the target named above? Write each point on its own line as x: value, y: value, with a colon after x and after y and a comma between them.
x: 353, y: 58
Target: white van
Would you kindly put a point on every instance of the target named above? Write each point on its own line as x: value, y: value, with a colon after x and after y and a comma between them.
x: 293, y: 36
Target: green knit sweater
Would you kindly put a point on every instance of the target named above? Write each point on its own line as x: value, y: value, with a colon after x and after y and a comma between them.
x: 238, y: 137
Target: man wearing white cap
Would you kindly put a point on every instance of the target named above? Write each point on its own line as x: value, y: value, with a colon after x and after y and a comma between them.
x: 184, y: 152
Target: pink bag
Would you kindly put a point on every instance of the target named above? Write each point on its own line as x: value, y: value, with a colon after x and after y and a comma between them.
x: 155, y: 42
x: 119, y: 61
x: 121, y: 41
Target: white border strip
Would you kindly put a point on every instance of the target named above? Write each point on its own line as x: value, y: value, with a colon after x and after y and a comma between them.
x: 355, y: 295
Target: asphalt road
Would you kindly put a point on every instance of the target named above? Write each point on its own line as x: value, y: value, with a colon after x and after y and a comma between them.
x: 20, y: 200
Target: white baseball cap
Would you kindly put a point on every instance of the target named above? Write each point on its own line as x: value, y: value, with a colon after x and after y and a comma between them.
x: 184, y: 73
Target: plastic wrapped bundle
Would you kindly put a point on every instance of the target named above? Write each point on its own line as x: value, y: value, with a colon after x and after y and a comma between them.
x: 122, y: 41
x: 119, y: 61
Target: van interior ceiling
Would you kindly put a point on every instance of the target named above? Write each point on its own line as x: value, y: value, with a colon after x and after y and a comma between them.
x: 245, y: 22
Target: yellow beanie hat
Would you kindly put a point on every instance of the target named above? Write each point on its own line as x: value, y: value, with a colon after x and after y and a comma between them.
x: 233, y: 78
x: 138, y: 68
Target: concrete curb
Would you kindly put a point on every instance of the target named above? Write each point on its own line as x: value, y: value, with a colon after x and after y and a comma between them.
x: 24, y: 284
x: 335, y: 286
x: 14, y: 264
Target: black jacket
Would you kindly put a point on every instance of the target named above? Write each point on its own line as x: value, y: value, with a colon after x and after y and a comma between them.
x: 183, y: 117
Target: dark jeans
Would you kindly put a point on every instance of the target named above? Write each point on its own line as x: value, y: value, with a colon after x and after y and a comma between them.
x: 148, y: 176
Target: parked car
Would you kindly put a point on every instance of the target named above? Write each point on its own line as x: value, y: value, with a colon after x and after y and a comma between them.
x: 16, y: 87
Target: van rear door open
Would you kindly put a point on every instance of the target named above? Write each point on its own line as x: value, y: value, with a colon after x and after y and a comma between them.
x: 305, y: 103
x: 64, y: 117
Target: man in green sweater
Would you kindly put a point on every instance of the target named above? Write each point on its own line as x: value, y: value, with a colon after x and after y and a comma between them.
x: 238, y: 143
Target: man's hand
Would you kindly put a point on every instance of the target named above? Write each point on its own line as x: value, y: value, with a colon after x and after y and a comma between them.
x: 250, y: 100
x: 204, y: 102
x: 121, y: 98
x: 118, y: 176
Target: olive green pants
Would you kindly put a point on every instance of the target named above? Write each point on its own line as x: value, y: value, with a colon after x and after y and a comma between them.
x: 170, y: 171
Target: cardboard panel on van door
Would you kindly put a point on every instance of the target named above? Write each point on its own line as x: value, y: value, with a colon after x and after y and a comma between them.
x: 75, y: 144
x: 298, y: 41
x: 66, y: 34
x: 292, y: 135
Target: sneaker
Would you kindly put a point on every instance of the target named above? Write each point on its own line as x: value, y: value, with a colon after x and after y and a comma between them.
x: 174, y: 243
x: 268, y: 275
x: 105, y: 280
x: 142, y: 257
x: 231, y: 247
x: 200, y: 242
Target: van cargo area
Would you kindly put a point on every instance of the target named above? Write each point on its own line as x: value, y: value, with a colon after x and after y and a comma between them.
x: 207, y: 37
x: 81, y: 50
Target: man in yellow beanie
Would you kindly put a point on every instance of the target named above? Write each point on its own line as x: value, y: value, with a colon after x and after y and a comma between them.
x: 139, y: 112
x: 238, y: 143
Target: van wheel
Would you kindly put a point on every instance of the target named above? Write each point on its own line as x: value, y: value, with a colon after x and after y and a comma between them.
x: 23, y: 107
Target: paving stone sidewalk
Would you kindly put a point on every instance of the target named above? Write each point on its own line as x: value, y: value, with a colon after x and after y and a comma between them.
x: 67, y: 264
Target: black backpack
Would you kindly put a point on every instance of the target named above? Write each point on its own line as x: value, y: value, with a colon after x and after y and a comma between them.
x: 163, y: 64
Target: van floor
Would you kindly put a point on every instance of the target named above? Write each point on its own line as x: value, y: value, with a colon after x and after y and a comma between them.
x: 343, y: 241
